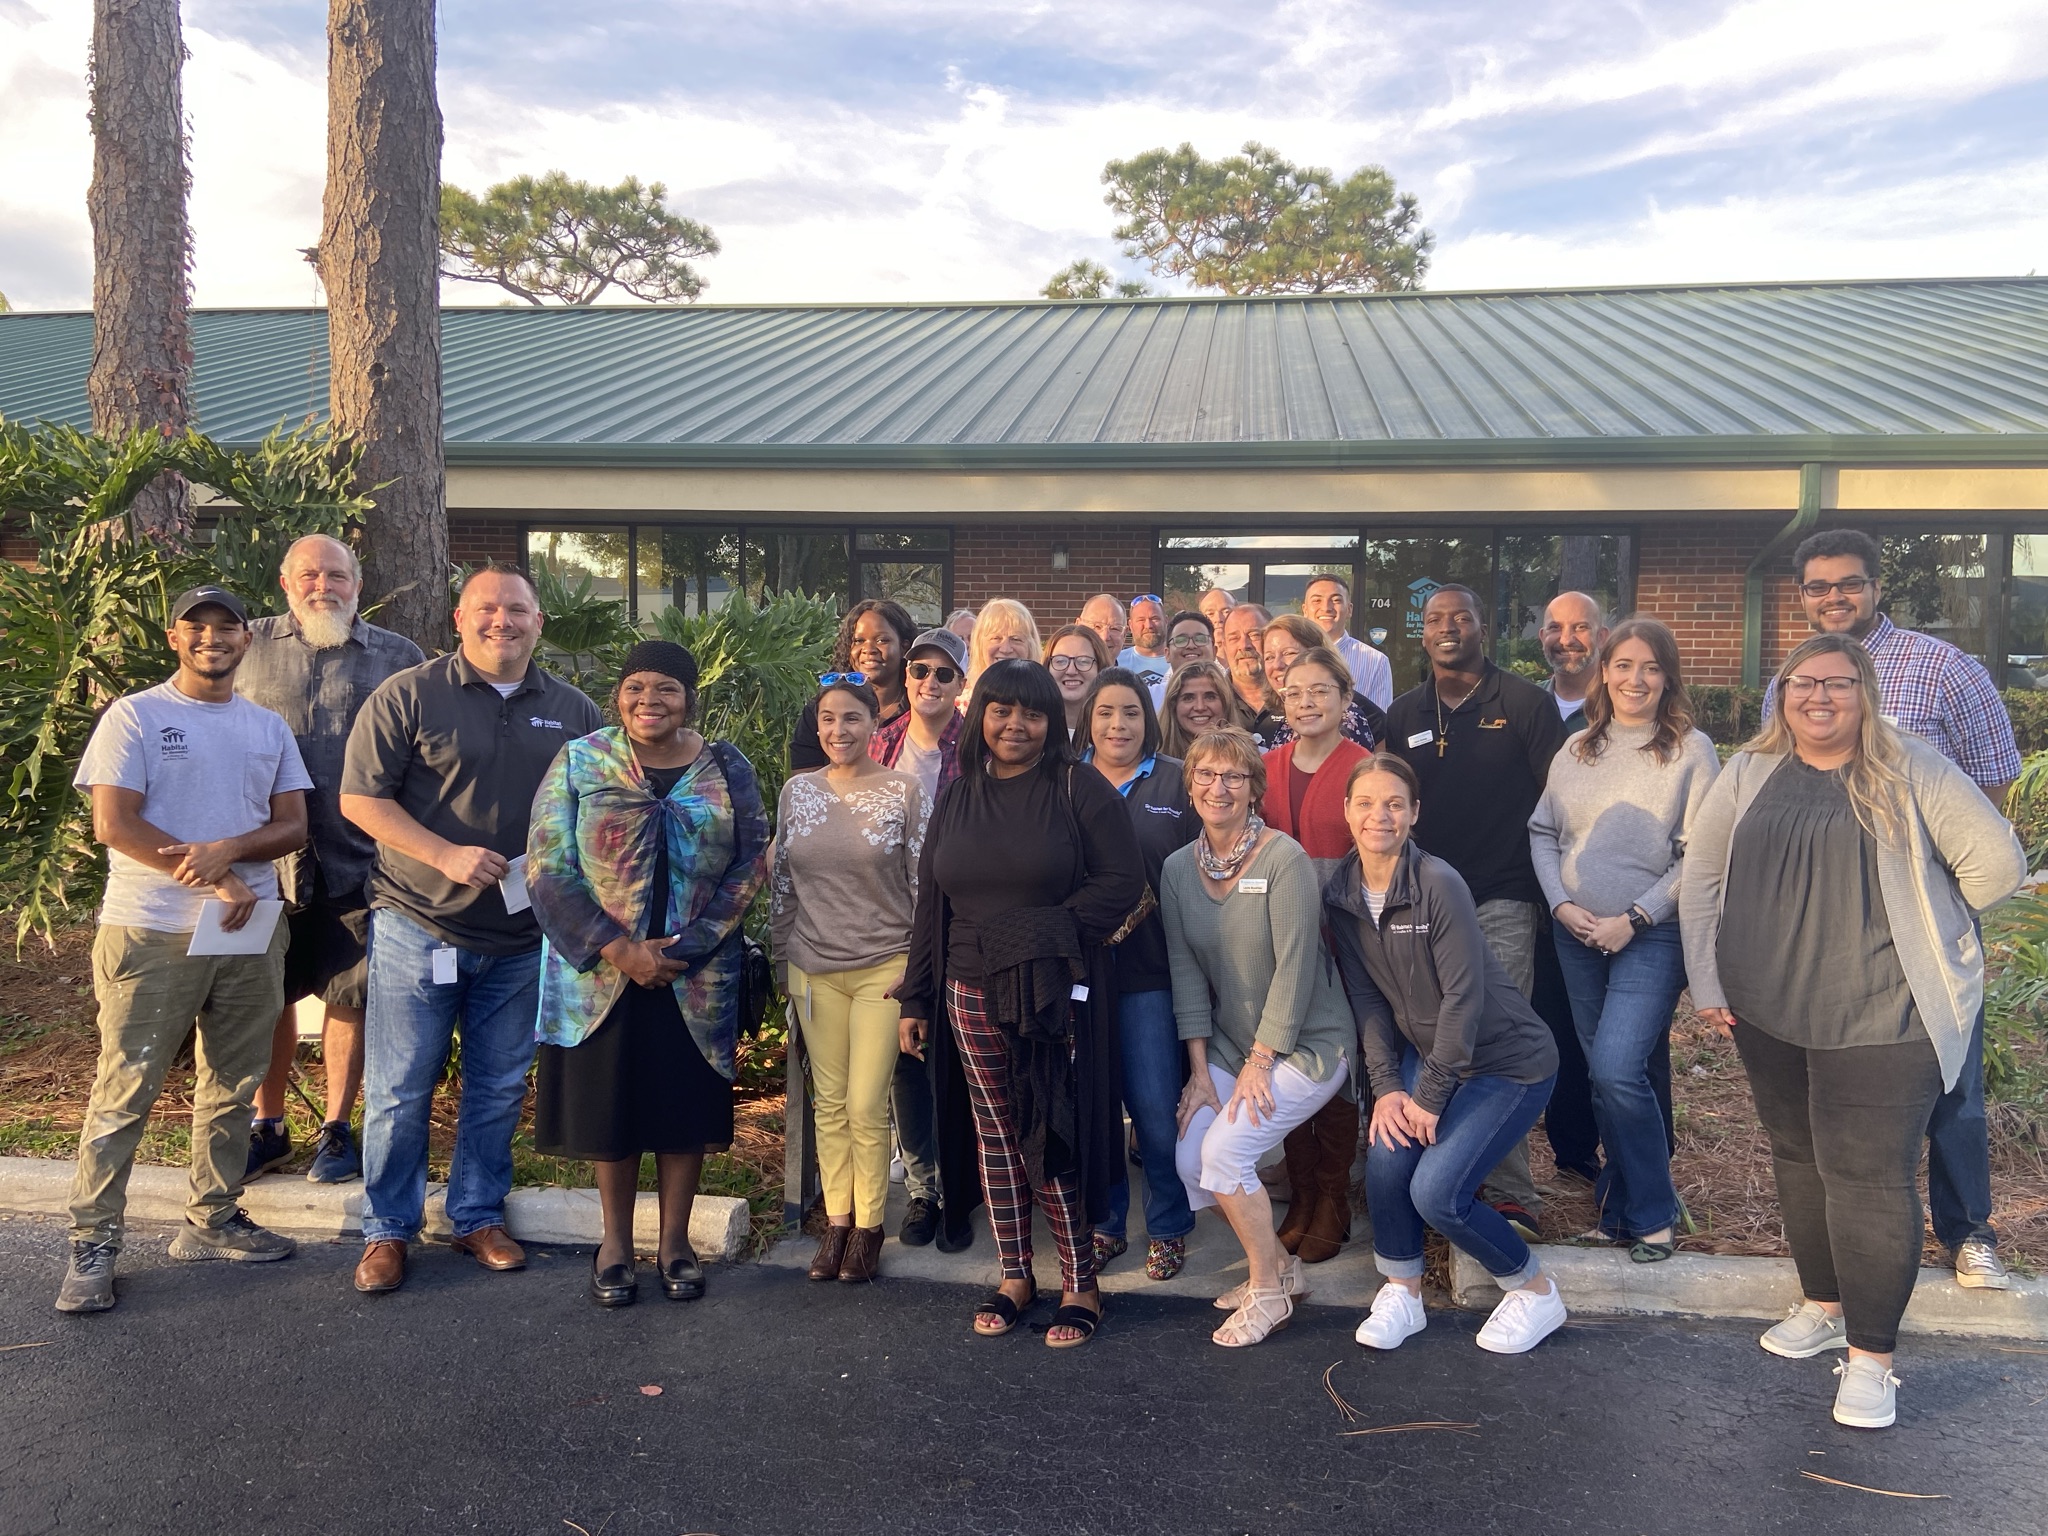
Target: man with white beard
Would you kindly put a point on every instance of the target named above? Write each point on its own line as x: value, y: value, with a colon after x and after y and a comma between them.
x: 316, y: 666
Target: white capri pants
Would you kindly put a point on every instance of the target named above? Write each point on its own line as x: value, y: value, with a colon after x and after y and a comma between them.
x: 1219, y: 1156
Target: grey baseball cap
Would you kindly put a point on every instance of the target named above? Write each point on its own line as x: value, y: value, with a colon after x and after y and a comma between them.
x: 941, y: 640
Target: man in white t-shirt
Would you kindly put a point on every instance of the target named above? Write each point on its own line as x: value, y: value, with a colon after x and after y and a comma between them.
x: 1573, y: 631
x: 1146, y: 654
x: 194, y: 791
x: 1328, y: 602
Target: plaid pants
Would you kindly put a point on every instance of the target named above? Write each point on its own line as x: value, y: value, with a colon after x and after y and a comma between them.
x: 985, y: 1058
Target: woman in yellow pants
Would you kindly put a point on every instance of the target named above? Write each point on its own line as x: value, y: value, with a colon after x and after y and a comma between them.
x: 844, y: 889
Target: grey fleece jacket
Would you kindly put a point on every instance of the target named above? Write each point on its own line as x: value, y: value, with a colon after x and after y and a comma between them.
x: 1959, y: 857
x: 1423, y: 976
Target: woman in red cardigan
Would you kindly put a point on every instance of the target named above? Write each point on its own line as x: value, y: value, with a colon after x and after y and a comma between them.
x: 1305, y: 799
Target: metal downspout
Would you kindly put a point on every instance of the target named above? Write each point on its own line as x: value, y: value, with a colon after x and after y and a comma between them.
x: 1753, y: 579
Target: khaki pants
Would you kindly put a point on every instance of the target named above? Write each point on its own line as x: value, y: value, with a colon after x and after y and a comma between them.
x: 850, y: 1035
x: 151, y: 996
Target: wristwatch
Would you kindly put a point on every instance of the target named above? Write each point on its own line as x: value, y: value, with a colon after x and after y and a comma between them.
x: 1638, y: 919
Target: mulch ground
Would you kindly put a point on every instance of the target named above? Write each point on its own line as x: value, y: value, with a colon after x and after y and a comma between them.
x: 1722, y: 1167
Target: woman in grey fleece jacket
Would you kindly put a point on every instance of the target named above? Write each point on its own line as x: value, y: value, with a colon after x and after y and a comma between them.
x: 1830, y: 886
x: 1461, y: 1066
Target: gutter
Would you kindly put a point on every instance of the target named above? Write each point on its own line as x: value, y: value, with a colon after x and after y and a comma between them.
x: 1753, y: 579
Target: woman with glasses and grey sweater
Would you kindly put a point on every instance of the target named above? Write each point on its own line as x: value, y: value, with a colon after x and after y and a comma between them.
x: 1828, y: 910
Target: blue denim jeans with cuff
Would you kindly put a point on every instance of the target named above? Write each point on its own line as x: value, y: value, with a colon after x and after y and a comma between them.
x: 1413, y: 1187
x: 1154, y: 1063
x: 412, y: 1020
x: 1622, y: 1006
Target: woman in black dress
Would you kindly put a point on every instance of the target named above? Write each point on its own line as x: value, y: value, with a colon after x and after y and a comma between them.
x: 648, y: 844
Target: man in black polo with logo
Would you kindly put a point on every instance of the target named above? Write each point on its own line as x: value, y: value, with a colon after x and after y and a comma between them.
x: 441, y: 770
x: 1480, y: 741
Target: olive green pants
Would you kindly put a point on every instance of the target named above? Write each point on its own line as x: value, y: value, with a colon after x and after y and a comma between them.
x: 152, y: 995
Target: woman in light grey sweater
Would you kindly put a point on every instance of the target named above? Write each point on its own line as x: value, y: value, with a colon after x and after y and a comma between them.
x: 843, y: 893
x: 1608, y: 838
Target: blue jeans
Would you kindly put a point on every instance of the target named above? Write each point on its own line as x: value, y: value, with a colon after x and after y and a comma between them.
x: 1959, y: 1155
x: 406, y: 1037
x: 1415, y: 1186
x: 1622, y: 1007
x: 1153, y: 1059
x: 917, y: 1132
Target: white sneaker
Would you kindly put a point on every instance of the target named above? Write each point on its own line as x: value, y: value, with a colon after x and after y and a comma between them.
x: 1807, y: 1330
x: 1868, y: 1397
x: 1524, y: 1319
x: 1395, y: 1316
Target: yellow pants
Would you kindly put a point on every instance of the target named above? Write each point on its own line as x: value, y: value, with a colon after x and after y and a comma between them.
x: 850, y: 1032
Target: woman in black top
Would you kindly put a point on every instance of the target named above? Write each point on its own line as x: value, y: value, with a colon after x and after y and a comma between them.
x: 1029, y: 865
x: 874, y: 640
x: 1120, y: 735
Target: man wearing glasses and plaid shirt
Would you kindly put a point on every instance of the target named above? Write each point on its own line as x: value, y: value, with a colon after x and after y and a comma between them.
x: 1946, y: 698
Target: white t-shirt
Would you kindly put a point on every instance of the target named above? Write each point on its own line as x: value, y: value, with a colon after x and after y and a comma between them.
x: 205, y: 771
x: 922, y: 765
x: 1566, y: 708
x: 1150, y: 669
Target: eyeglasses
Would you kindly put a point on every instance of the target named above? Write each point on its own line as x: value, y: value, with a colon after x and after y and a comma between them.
x: 1799, y: 686
x: 1070, y: 663
x: 1320, y: 693
x: 1208, y: 778
x: 828, y: 679
x: 1188, y: 642
x: 918, y: 671
x: 1848, y: 586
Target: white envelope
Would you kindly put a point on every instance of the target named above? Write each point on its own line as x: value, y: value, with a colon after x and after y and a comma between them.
x: 514, y: 886
x: 252, y: 938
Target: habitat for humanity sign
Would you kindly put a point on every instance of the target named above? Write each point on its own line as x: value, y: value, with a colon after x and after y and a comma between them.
x: 1419, y: 594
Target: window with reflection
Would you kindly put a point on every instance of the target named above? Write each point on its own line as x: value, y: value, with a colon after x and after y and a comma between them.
x: 604, y: 555
x: 2026, y: 614
x: 1940, y: 583
x: 1534, y: 568
x: 809, y: 560
x: 1395, y: 579
x: 694, y: 569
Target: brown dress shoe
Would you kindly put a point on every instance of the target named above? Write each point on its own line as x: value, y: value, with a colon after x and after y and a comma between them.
x: 831, y: 1253
x: 493, y: 1248
x: 382, y: 1267
x: 863, y: 1255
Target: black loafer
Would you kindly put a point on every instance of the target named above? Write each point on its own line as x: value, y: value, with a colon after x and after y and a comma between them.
x: 951, y: 1241
x: 920, y: 1223
x: 682, y: 1279
x: 615, y: 1286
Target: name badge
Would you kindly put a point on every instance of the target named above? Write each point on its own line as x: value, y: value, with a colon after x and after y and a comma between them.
x: 444, y: 966
x: 1420, y: 738
x: 1080, y: 992
x: 1252, y: 887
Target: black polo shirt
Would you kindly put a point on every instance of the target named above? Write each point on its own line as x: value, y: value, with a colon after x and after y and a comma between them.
x: 464, y: 763
x: 1479, y: 791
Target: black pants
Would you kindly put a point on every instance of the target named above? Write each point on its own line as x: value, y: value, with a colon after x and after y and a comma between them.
x: 1845, y: 1129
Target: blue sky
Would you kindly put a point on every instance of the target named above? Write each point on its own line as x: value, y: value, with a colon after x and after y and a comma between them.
x: 943, y: 149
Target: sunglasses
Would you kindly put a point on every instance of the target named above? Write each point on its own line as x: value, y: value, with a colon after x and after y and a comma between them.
x: 1147, y: 597
x: 920, y: 670
x: 830, y: 679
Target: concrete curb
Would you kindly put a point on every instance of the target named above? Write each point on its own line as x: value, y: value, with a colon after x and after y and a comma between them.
x: 287, y: 1203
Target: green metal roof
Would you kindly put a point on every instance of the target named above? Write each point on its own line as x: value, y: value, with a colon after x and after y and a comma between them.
x: 1942, y: 371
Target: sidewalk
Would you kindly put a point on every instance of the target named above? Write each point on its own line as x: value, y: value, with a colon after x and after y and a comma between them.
x: 1595, y: 1281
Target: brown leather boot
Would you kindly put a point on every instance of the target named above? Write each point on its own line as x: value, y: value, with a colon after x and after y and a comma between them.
x: 831, y: 1253
x: 863, y: 1255
x: 1300, y: 1151
x: 1335, y: 1126
x: 382, y: 1267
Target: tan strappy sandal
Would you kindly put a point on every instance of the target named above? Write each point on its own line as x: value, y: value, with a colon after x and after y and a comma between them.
x: 1263, y: 1313
x: 1293, y: 1282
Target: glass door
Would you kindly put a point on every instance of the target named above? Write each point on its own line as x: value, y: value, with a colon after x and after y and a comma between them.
x: 1396, y: 577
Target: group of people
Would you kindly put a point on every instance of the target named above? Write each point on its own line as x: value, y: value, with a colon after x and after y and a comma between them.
x: 1202, y: 869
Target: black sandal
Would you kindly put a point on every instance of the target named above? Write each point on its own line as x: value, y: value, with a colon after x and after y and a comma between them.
x: 1651, y: 1253
x: 1086, y: 1319
x: 997, y: 1304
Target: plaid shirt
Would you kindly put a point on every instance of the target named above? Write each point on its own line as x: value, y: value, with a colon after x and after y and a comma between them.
x: 886, y: 746
x: 1944, y: 697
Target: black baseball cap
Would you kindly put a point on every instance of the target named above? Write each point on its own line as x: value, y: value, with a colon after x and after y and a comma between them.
x: 199, y: 597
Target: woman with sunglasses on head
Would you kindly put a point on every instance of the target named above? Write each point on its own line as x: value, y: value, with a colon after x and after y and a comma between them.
x: 1199, y: 699
x: 1120, y: 735
x: 1461, y: 1066
x: 1827, y: 909
x: 843, y: 892
x: 1257, y: 1001
x: 1284, y: 642
x: 1608, y: 839
x: 874, y: 638
x: 1305, y: 778
x: 1003, y: 631
x: 1076, y: 656
x: 1029, y: 866
x: 648, y: 844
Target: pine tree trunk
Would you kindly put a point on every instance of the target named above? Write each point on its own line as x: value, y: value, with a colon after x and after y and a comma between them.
x: 141, y: 244
x: 380, y: 262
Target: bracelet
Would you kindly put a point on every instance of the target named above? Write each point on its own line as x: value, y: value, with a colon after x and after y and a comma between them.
x: 1263, y: 1063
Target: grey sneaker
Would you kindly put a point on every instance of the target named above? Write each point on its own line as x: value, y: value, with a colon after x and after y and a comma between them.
x: 237, y: 1238
x: 1868, y: 1397
x: 1979, y: 1267
x: 89, y: 1280
x: 1806, y: 1331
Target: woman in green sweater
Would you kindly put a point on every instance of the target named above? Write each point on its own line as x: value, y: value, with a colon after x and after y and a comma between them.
x: 1258, y: 1001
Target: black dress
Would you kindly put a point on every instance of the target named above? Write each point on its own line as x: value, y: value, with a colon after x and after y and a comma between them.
x: 637, y: 1083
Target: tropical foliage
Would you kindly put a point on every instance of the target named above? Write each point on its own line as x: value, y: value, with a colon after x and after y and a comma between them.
x: 84, y: 620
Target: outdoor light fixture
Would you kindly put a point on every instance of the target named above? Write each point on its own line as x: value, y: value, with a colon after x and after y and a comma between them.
x: 1059, y: 557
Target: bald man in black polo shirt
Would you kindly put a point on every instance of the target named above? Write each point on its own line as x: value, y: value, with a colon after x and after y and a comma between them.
x: 1480, y: 741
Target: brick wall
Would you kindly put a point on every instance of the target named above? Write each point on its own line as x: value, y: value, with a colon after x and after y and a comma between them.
x: 480, y: 540
x: 1691, y: 578
x: 1017, y: 562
